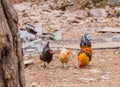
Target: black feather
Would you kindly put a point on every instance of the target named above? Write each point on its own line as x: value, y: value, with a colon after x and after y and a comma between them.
x: 46, y: 55
x: 85, y: 41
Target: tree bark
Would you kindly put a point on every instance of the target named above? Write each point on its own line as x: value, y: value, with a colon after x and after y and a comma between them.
x: 11, y: 60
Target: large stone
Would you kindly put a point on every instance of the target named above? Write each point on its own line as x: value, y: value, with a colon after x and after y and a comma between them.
x: 33, y: 47
x: 98, y: 13
x: 26, y: 36
x: 32, y: 43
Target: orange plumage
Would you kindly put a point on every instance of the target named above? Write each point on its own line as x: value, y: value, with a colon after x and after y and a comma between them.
x: 83, y: 59
x: 85, y: 54
x: 64, y: 56
x: 87, y: 49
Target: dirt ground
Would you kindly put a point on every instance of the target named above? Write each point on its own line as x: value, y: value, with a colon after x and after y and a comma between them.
x: 103, y: 71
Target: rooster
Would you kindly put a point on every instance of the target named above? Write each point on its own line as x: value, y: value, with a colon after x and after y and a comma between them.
x: 47, y: 54
x: 64, y: 56
x: 85, y: 54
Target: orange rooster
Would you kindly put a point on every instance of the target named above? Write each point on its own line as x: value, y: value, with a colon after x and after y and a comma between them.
x: 64, y: 56
x: 85, y: 54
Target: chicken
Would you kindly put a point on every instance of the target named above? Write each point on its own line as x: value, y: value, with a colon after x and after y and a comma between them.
x: 47, y: 54
x: 85, y: 54
x: 64, y: 56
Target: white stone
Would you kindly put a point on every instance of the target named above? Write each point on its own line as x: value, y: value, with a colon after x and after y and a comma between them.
x: 117, y: 9
x: 80, y: 13
x: 22, y: 6
x: 26, y: 35
x: 98, y: 13
x: 88, y: 79
x: 30, y: 50
x: 95, y: 71
x: 38, y: 28
x: 34, y: 84
x: 58, y: 35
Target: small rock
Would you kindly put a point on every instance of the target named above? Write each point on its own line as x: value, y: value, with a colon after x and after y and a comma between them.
x: 76, y: 73
x: 54, y: 27
x: 88, y: 79
x: 64, y: 80
x: 56, y: 13
x: 38, y: 28
x: 72, y: 2
x: 22, y: 6
x: 29, y: 26
x: 71, y: 19
x: 94, y: 70
x: 116, y: 38
x: 107, y: 35
x: 104, y: 78
x: 71, y: 68
x: 108, y: 39
x: 34, y: 84
x: 117, y: 10
x: 31, y: 50
x: 98, y: 13
x: 81, y: 14
x: 114, y: 2
x: 110, y: 11
x: 45, y: 6
x: 58, y: 35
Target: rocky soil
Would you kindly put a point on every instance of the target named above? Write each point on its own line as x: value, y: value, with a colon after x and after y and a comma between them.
x: 78, y: 21
x: 103, y: 71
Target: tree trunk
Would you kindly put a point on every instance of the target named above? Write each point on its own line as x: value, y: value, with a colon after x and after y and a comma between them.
x: 11, y: 60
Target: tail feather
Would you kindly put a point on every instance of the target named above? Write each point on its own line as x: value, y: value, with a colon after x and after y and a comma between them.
x: 85, y: 41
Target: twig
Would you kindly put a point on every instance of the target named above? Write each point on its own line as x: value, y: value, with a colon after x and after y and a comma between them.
x: 28, y: 62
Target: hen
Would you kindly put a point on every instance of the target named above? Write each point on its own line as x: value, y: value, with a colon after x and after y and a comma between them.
x: 47, y: 54
x: 64, y: 56
x: 85, y: 54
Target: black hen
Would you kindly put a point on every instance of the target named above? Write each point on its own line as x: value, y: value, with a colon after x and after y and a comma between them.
x: 47, y: 54
x: 85, y: 41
